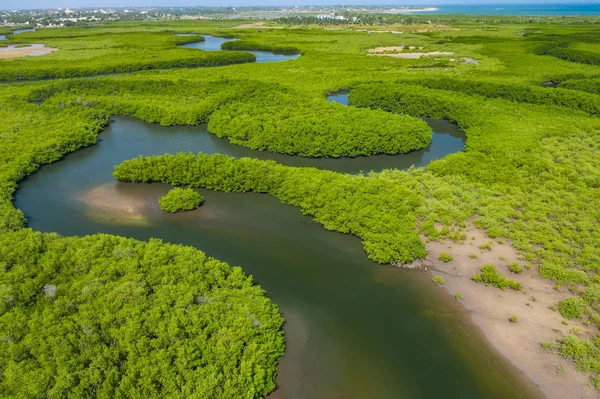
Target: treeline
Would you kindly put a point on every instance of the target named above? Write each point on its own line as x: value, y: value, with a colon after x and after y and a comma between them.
x: 316, y: 128
x: 591, y: 85
x: 260, y: 116
x: 562, y: 97
x: 374, y: 19
x: 110, y: 53
x: 10, y: 71
x: 244, y: 45
x: 85, y: 317
x: 380, y: 213
x: 564, y: 51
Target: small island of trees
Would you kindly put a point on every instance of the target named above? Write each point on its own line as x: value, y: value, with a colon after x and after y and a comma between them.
x: 180, y: 199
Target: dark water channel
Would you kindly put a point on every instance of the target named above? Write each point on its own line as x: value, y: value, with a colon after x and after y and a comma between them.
x: 354, y: 329
x: 213, y: 43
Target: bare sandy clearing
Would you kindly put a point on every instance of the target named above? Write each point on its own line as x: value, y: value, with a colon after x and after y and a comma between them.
x: 410, y: 56
x: 383, y: 49
x: 256, y: 25
x: 491, y: 308
x: 34, y: 50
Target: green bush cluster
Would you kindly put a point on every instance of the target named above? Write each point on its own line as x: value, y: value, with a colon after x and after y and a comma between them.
x: 380, y: 213
x: 104, y: 316
x: 438, y: 280
x: 244, y: 45
x: 281, y: 124
x: 445, y: 257
x: 180, y: 199
x: 572, y: 307
x: 489, y: 275
x: 515, y: 268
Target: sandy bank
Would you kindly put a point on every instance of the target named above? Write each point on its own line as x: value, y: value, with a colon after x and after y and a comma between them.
x: 491, y: 309
x: 109, y: 205
x: 33, y: 50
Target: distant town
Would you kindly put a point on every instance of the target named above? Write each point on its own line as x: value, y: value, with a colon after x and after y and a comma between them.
x: 73, y: 16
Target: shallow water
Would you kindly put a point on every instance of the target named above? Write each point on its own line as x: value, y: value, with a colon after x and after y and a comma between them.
x: 354, y: 329
x: 2, y: 37
x: 212, y: 43
x: 16, y: 32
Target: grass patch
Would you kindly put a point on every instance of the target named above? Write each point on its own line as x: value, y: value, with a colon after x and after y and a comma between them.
x: 515, y: 268
x: 445, y: 257
x: 489, y: 275
x: 438, y: 280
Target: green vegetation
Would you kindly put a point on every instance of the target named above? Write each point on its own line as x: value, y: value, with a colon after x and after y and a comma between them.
x: 512, y: 319
x: 572, y: 307
x: 281, y: 124
x: 81, y: 54
x: 489, y: 275
x: 378, y: 212
x: 458, y: 296
x: 444, y: 257
x: 530, y: 171
x: 86, y: 317
x: 180, y: 199
x: 515, y: 268
x: 438, y: 280
x: 487, y: 245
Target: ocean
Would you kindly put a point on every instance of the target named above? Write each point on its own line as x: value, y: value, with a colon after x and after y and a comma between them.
x: 557, y: 9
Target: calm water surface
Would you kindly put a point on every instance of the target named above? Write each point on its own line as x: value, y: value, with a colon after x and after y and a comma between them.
x: 212, y: 43
x: 354, y: 329
x: 16, y: 32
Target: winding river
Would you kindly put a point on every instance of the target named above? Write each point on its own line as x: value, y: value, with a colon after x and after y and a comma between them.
x: 354, y: 329
x: 213, y: 43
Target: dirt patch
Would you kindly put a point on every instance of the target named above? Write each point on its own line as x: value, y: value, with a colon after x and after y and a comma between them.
x: 491, y: 309
x: 255, y: 25
x: 34, y: 50
x: 410, y: 56
x: 384, y: 49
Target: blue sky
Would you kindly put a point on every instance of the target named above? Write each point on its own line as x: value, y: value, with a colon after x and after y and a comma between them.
x: 31, y: 4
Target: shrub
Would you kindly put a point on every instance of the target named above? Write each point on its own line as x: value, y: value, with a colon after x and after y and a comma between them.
x: 444, y: 257
x: 487, y: 245
x: 512, y: 319
x: 458, y: 296
x: 515, y: 268
x: 180, y: 199
x: 473, y: 255
x: 132, y: 318
x: 572, y: 307
x: 489, y: 275
x: 438, y: 280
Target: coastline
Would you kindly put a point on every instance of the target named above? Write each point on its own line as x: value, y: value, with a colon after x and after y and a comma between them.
x: 409, y: 10
x: 490, y: 309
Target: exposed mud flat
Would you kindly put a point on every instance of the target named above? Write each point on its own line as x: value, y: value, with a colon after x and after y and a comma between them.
x: 491, y: 309
x: 33, y: 50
